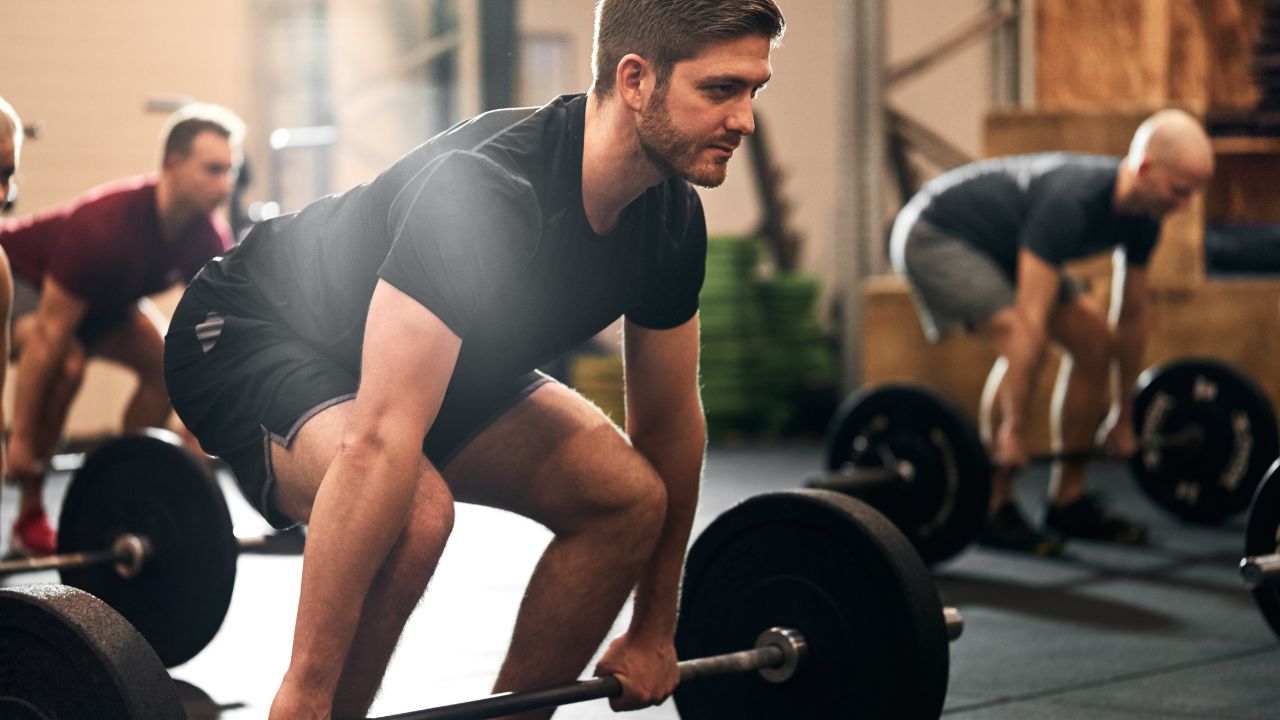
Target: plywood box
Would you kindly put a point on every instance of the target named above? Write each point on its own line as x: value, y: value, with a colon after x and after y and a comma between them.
x: 1109, y: 54
x: 1233, y: 320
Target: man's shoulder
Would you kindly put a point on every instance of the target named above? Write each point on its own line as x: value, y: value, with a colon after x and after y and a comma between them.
x: 126, y: 199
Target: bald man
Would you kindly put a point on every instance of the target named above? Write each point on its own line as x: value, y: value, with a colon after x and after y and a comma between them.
x: 983, y: 247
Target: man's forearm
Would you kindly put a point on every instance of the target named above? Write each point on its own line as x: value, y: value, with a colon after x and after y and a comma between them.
x: 1131, y: 345
x: 1024, y: 355
x: 677, y: 456
x: 37, y: 368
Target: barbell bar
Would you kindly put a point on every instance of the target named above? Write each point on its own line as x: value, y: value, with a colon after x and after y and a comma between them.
x: 128, y: 553
x: 1260, y: 566
x: 854, y: 478
x: 777, y: 655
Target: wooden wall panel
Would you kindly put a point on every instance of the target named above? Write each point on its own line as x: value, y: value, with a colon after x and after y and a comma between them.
x: 1112, y: 54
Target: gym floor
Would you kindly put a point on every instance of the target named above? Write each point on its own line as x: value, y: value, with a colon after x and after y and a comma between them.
x: 1165, y: 631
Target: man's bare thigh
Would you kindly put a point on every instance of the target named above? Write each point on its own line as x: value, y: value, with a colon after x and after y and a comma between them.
x: 553, y: 457
x: 552, y: 453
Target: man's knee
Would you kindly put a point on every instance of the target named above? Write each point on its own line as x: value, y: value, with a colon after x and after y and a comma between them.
x: 72, y: 370
x: 419, y: 546
x: 618, y: 489
x: 1092, y: 354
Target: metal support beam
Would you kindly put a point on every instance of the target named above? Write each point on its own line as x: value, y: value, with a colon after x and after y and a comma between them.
x: 859, y: 251
x: 1006, y: 54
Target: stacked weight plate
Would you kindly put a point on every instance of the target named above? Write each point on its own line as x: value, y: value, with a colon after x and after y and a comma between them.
x: 731, y: 335
x: 800, y: 363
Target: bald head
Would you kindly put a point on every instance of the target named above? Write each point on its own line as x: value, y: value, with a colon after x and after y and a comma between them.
x: 1174, y: 139
x: 1169, y: 159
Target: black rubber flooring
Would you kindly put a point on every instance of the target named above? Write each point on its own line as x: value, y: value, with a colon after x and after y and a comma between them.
x: 1166, y: 631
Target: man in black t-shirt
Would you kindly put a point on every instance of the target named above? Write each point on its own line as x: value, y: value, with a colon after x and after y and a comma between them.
x: 369, y: 360
x: 983, y: 246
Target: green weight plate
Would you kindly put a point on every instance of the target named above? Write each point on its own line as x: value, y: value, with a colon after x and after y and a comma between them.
x: 151, y: 488
x: 65, y: 654
x: 943, y: 507
x: 840, y: 573
x: 1262, y: 537
x: 1210, y: 480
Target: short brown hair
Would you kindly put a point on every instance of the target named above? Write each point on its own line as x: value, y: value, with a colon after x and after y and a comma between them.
x: 664, y: 32
x: 183, y: 126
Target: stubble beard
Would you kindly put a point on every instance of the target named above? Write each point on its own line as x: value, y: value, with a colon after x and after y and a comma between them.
x: 673, y: 152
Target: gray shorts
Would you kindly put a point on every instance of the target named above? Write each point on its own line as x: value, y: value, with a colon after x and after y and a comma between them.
x: 955, y: 285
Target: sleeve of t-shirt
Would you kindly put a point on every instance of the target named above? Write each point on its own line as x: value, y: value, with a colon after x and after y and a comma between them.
x: 84, y: 260
x: 461, y: 231
x: 1054, y: 227
x: 671, y: 288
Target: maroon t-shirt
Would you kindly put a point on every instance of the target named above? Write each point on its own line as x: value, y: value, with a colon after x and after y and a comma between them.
x: 105, y: 246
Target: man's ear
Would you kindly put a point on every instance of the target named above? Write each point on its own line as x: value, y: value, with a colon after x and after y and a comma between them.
x: 1144, y: 168
x: 634, y: 81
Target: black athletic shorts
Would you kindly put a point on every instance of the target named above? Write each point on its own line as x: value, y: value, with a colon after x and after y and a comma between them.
x: 240, y: 383
x: 95, y: 325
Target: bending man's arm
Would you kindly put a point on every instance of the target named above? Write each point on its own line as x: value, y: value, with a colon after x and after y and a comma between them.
x: 666, y: 425
x: 45, y: 347
x: 366, y: 496
x: 1129, y: 318
x: 1019, y: 335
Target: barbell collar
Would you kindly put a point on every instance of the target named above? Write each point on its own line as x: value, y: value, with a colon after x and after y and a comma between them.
x: 1258, y: 570
x: 131, y: 552
x: 776, y: 648
x: 954, y: 622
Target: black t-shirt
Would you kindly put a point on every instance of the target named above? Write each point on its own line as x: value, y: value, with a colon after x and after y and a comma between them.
x: 484, y: 225
x: 1057, y: 205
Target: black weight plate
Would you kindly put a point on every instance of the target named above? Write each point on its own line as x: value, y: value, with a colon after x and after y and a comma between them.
x: 839, y: 572
x: 944, y: 507
x: 1216, y: 478
x: 65, y: 654
x: 149, y: 487
x: 1262, y: 537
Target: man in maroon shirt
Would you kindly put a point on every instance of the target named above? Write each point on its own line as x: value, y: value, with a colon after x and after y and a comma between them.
x: 82, y: 272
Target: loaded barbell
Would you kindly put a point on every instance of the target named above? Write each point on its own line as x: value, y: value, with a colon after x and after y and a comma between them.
x: 1260, y: 566
x: 145, y: 528
x: 1206, y: 433
x: 839, y: 616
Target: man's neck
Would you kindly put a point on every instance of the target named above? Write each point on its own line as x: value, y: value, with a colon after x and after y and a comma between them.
x: 615, y: 170
x: 1122, y: 199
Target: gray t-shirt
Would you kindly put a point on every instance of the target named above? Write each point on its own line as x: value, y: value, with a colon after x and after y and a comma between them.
x: 1057, y: 205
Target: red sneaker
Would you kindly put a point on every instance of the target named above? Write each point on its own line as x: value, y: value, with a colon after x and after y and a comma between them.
x: 33, y: 536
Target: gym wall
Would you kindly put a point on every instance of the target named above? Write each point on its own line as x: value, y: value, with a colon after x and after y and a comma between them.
x: 84, y: 70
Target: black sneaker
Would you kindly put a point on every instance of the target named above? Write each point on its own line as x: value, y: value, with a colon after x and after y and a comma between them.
x: 1087, y: 519
x: 1009, y: 530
